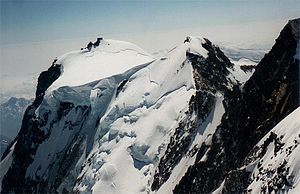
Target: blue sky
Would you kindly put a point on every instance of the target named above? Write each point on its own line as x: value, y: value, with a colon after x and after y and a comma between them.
x: 34, y: 21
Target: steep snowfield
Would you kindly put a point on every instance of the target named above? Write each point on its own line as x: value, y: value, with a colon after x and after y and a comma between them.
x: 134, y: 131
x: 208, y: 127
x: 105, y: 129
x: 112, y: 119
x: 76, y: 101
x: 69, y: 116
x: 5, y: 164
x: 111, y: 57
x: 122, y: 121
x: 281, y: 159
x: 276, y: 160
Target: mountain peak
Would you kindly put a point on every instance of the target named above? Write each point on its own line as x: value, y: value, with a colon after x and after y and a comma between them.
x: 114, y: 116
x: 90, y: 64
x: 195, y: 45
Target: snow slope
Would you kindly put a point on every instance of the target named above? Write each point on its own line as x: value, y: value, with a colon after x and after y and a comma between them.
x: 5, y: 164
x: 275, y: 162
x: 281, y: 159
x: 76, y: 101
x: 107, y: 120
x: 208, y: 127
x: 111, y: 119
x: 111, y: 57
x: 135, y: 129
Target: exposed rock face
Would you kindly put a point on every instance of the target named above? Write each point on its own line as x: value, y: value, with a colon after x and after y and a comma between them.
x: 95, y: 44
x: 248, y: 68
x: 14, y: 180
x: 210, y: 77
x: 252, y: 111
x: 68, y: 112
x: 84, y: 138
x: 59, y: 127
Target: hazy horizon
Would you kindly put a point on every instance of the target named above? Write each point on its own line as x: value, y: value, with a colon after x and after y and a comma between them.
x: 33, y: 33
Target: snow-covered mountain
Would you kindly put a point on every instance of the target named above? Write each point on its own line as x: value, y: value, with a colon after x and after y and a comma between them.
x: 110, y: 118
x: 252, y: 111
x: 11, y: 115
x: 275, y: 160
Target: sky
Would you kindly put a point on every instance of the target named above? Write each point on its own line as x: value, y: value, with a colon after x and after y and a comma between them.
x: 44, y: 20
x: 34, y: 32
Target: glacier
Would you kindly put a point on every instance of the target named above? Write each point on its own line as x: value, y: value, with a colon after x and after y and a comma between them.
x: 112, y: 118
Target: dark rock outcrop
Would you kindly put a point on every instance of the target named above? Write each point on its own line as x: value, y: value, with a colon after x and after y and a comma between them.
x: 248, y: 68
x: 252, y: 111
x: 97, y: 43
x: 14, y: 179
x: 210, y: 76
x: 90, y: 45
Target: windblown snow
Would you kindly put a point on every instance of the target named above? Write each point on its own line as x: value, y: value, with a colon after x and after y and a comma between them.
x: 118, y: 106
x: 132, y: 134
x: 111, y: 57
x: 207, y: 128
x: 281, y: 161
x: 5, y: 163
x: 122, y: 116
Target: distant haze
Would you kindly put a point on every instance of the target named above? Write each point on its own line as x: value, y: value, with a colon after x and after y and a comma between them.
x: 33, y: 33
